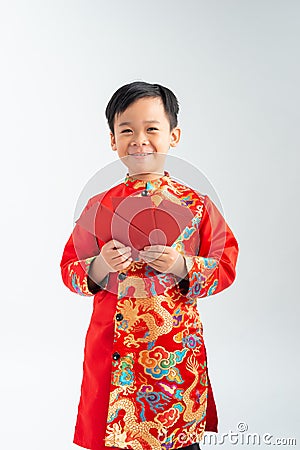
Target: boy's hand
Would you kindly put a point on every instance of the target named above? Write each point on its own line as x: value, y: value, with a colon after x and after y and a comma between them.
x: 164, y: 259
x: 116, y: 255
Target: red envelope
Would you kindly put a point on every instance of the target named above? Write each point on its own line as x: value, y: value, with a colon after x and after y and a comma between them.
x: 135, y: 222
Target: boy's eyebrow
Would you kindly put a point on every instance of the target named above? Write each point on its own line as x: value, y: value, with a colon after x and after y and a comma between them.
x: 145, y: 121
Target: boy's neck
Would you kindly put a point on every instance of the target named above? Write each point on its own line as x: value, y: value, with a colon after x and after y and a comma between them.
x: 146, y: 176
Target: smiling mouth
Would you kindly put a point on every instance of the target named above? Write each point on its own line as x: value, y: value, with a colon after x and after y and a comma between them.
x: 141, y: 154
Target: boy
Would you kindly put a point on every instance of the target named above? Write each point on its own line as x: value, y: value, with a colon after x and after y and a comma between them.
x: 145, y: 380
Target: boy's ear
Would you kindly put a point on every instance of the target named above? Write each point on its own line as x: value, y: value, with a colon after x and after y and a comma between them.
x: 113, y: 141
x: 175, y: 136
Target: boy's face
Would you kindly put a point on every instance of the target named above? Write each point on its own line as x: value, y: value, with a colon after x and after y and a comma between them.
x: 142, y: 137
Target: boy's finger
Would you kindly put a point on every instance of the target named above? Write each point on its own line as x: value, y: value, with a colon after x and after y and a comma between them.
x: 151, y: 257
x: 117, y: 244
x: 155, y: 248
x: 151, y: 254
x: 124, y: 249
x: 120, y: 251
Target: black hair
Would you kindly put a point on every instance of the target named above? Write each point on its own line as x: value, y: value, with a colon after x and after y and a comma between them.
x: 129, y: 93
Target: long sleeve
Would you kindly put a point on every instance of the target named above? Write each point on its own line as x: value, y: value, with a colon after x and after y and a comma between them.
x: 213, y: 269
x: 80, y: 251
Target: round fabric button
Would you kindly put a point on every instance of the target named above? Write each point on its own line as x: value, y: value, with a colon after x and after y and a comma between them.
x: 119, y: 317
x: 116, y: 356
x: 144, y: 193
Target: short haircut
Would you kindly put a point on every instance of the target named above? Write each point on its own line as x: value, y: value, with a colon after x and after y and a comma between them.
x: 129, y: 93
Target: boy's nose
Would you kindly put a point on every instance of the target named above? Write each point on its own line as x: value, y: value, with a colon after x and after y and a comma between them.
x: 139, y: 141
x: 139, y: 138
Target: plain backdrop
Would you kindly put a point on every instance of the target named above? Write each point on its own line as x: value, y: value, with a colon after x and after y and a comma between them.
x: 234, y: 66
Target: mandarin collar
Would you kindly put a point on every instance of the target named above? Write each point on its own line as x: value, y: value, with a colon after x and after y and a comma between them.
x: 147, y: 184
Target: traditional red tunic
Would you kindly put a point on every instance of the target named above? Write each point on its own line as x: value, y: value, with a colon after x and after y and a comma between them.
x: 145, y: 379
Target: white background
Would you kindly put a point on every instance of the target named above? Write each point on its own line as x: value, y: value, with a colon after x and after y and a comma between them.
x: 234, y: 66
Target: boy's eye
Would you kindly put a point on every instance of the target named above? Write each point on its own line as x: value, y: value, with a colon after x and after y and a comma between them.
x: 148, y: 129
